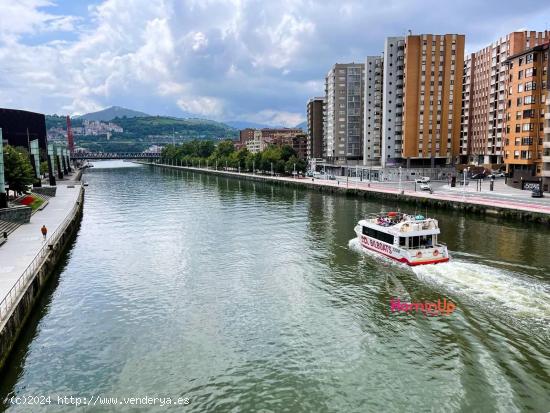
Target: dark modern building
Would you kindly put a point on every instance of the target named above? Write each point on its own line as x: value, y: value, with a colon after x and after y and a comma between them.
x: 315, y: 120
x: 19, y: 127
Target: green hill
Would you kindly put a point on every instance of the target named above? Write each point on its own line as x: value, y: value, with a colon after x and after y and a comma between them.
x: 108, y: 114
x: 182, y: 128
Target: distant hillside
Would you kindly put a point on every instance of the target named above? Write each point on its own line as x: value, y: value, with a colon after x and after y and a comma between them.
x: 108, y: 114
x: 242, y: 124
x: 185, y: 128
x: 302, y: 125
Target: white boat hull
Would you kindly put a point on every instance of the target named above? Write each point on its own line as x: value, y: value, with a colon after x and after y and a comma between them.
x: 412, y: 257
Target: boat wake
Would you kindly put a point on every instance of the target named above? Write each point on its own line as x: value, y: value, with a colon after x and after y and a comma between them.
x: 496, y: 290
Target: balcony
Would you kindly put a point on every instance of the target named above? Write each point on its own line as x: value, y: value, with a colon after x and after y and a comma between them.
x: 547, y: 130
x: 546, y: 159
x: 546, y: 144
x: 546, y: 174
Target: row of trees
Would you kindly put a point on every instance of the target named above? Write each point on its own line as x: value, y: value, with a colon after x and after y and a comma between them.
x: 18, y: 170
x: 283, y: 159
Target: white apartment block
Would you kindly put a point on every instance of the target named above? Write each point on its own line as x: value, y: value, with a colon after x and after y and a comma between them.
x: 372, y: 141
x: 344, y: 88
x: 392, y: 107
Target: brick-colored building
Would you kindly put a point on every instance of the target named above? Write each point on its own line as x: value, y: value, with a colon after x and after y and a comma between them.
x: 432, y: 98
x: 527, y: 134
x: 257, y: 140
x: 485, y: 73
x: 315, y: 120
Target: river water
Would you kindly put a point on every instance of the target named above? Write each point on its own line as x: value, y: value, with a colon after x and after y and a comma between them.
x: 246, y: 297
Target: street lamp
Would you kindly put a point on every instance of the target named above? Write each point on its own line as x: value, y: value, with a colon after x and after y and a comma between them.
x: 271, y: 169
x: 400, y: 190
x: 464, y: 184
x: 294, y: 172
x: 253, y: 167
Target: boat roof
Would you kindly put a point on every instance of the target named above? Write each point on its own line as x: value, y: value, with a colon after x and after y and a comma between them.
x: 398, y: 223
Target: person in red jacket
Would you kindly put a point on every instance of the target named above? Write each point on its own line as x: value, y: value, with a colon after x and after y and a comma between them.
x: 44, y: 231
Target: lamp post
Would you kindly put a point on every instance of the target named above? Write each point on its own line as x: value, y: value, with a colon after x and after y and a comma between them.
x: 400, y: 189
x: 464, y: 184
x: 199, y: 163
x: 3, y: 195
x: 271, y: 169
x: 294, y: 171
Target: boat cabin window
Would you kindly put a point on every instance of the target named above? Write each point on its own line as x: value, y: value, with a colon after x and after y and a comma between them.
x: 402, y: 241
x: 422, y: 241
x: 379, y: 235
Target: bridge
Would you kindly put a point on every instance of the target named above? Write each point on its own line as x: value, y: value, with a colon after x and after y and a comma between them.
x: 115, y: 155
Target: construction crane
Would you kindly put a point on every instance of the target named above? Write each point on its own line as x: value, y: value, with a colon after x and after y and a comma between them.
x: 70, y: 137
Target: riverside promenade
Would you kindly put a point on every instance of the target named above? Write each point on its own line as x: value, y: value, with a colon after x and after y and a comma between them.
x: 505, y: 202
x: 26, y: 259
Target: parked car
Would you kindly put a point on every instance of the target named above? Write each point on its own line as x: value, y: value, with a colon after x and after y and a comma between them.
x: 332, y: 177
x: 425, y: 187
x: 423, y: 180
x: 536, y: 193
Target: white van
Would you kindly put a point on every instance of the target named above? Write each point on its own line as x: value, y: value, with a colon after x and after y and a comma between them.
x: 423, y: 180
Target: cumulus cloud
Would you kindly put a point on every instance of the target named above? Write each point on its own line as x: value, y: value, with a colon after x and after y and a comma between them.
x: 221, y: 59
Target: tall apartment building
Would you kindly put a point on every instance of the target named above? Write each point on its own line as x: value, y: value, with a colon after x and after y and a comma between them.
x: 392, y: 108
x: 315, y: 123
x: 483, y: 96
x: 527, y: 135
x: 344, y: 86
x: 434, y: 66
x: 372, y: 118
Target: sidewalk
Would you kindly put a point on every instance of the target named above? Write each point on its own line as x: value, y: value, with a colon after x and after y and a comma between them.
x: 486, y: 199
x: 23, y: 244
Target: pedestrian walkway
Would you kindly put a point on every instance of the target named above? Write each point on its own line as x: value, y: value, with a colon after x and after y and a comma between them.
x: 25, y: 243
x: 488, y: 199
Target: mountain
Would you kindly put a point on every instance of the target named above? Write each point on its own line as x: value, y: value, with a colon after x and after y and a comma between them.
x: 108, y: 114
x: 191, y: 128
x: 242, y: 124
x: 302, y: 125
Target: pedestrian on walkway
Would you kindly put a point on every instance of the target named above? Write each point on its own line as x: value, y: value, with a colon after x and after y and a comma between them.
x: 44, y: 231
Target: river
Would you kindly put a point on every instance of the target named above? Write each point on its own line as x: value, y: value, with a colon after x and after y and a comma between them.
x: 247, y: 297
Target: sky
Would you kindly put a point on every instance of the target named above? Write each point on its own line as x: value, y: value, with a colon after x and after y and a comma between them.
x: 256, y: 61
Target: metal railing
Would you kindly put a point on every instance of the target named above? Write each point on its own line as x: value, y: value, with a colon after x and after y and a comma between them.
x: 13, y: 295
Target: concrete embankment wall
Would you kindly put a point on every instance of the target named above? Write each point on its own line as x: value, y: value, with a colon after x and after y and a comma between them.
x: 374, y: 194
x: 23, y: 306
x: 20, y: 214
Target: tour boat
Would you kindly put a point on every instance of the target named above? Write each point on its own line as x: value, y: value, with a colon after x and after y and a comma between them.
x: 410, y: 239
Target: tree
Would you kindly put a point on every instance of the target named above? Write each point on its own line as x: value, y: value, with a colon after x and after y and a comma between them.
x: 18, y: 170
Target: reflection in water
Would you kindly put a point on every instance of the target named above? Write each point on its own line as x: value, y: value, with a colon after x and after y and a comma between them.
x: 244, y: 296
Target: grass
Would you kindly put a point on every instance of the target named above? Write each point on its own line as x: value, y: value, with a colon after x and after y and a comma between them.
x: 32, y: 201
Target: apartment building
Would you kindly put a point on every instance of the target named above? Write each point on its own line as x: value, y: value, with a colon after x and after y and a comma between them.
x: 315, y: 124
x: 372, y: 118
x: 483, y: 96
x: 392, y: 108
x: 527, y: 133
x: 432, y: 98
x: 344, y: 88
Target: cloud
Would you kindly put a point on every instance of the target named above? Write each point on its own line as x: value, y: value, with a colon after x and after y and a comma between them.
x: 222, y: 59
